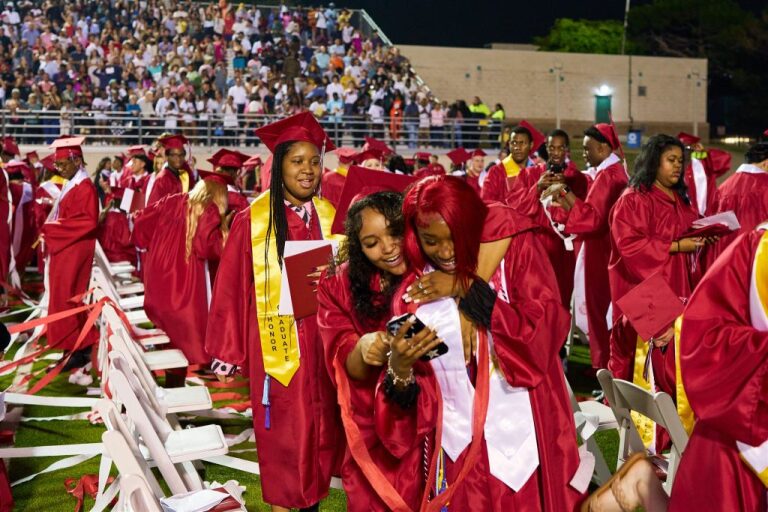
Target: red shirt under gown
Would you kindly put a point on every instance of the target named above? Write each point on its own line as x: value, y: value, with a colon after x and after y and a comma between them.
x: 724, y: 365
x: 402, y: 467
x: 70, y: 241
x: 644, y: 223
x: 524, y: 196
x: 527, y: 335
x: 589, y: 220
x: 304, y: 445
x: 175, y: 288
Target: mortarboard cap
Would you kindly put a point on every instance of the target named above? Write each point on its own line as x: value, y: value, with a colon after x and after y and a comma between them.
x: 228, y: 158
x: 363, y: 181
x: 219, y: 177
x: 135, y: 151
x: 651, y: 306
x: 48, y: 162
x: 10, y: 146
x: 609, y: 132
x: 67, y: 147
x: 30, y: 155
x: 687, y: 139
x: 174, y: 142
x: 359, y: 158
x: 459, y: 155
x: 17, y: 167
x: 346, y: 155
x: 378, y: 145
x: 299, y: 127
x: 537, y: 138
x: 422, y: 155
x: 253, y: 161
x: 478, y: 152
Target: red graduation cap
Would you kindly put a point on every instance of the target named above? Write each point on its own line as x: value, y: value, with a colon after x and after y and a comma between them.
x: 253, y: 161
x: 537, y: 138
x: 10, y: 146
x: 135, y: 151
x: 174, y: 142
x: 651, y: 306
x: 67, y: 146
x: 609, y: 132
x: 378, y: 145
x: 299, y: 127
x: 459, y: 155
x: 687, y: 139
x: 17, y: 167
x: 363, y: 181
x: 30, y: 155
x: 228, y: 158
x: 765, y: 133
x: 346, y: 155
x: 220, y: 177
x: 478, y: 152
x: 359, y: 158
x: 422, y: 155
x: 48, y: 162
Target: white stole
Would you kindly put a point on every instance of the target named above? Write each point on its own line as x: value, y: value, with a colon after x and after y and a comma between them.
x: 700, y: 180
x: 79, y: 177
x: 750, y: 169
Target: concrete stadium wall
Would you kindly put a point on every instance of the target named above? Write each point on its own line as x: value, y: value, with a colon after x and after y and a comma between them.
x: 523, y: 83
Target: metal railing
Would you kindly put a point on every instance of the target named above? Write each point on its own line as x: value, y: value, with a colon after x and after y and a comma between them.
x: 122, y: 128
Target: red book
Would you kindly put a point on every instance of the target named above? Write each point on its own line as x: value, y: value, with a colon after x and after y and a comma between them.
x: 651, y: 306
x: 297, y: 267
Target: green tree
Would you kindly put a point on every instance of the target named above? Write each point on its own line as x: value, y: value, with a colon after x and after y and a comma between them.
x: 583, y: 36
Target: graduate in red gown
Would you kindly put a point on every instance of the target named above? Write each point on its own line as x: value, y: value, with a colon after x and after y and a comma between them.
x: 45, y: 195
x: 489, y: 464
x: 724, y: 363
x: 524, y: 196
x: 249, y: 177
x: 69, y: 236
x: 5, y: 226
x: 174, y: 177
x: 23, y: 229
x: 295, y: 416
x: 423, y: 166
x: 332, y: 182
x: 354, y: 306
x: 746, y: 192
x: 524, y: 142
x: 475, y: 172
x: 588, y: 220
x: 182, y: 235
x: 702, y: 171
x: 647, y: 227
x: 115, y: 229
x: 229, y: 162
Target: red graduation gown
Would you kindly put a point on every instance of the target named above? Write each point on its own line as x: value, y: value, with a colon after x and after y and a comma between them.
x: 27, y: 224
x: 643, y: 226
x: 303, y: 447
x: 6, y: 498
x: 716, y: 163
x: 747, y: 195
x: 496, y: 184
x: 43, y: 204
x: 166, y: 184
x: 401, y: 466
x: 70, y: 242
x: 524, y: 196
x: 332, y: 185
x: 724, y: 363
x: 589, y: 220
x: 237, y: 202
x: 175, y: 288
x: 527, y: 335
x: 430, y: 170
x: 5, y: 228
x: 115, y: 230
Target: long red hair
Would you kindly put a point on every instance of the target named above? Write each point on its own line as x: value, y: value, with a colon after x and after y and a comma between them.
x: 461, y: 208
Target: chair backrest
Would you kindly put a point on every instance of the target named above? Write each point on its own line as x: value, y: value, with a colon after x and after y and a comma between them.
x: 104, y: 282
x: 151, y: 427
x: 629, y: 438
x: 135, y: 495
x: 660, y: 408
x: 128, y: 464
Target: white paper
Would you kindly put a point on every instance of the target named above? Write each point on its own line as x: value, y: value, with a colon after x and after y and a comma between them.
x: 127, y: 201
x: 293, y: 248
x: 195, y: 501
x: 727, y: 219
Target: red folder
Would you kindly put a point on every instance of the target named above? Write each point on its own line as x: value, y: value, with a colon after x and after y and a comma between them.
x: 651, y: 306
x: 707, y: 231
x: 298, y: 266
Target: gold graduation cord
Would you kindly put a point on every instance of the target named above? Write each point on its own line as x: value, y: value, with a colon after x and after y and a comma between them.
x: 279, y: 339
x: 511, y: 167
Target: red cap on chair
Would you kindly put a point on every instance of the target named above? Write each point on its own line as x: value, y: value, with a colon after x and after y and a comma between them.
x: 361, y: 180
x: 537, y: 138
x: 220, y: 177
x: 609, y: 132
x: 67, y: 147
x: 300, y: 127
x: 10, y: 146
x: 687, y: 139
x: 228, y: 158
x: 651, y: 306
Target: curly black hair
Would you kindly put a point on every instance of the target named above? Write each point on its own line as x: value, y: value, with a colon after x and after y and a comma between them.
x: 648, y: 163
x: 370, y: 306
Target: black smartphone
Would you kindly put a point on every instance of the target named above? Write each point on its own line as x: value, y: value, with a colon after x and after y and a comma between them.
x: 393, y: 326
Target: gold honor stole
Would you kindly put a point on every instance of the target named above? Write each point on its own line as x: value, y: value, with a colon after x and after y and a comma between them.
x: 184, y: 177
x: 510, y: 167
x: 342, y: 170
x: 58, y: 180
x: 756, y: 457
x: 279, y: 339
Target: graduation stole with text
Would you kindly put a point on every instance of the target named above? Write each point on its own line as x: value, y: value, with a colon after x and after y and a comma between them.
x: 756, y: 457
x: 278, y: 335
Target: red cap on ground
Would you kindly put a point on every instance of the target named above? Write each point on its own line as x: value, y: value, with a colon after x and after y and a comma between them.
x: 228, y: 158
x: 687, y: 139
x: 360, y: 182
x: 299, y: 127
x: 67, y: 147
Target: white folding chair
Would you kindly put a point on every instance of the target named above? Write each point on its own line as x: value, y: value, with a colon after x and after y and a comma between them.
x: 592, y: 409
x: 125, y: 301
x: 167, y: 447
x: 116, y: 269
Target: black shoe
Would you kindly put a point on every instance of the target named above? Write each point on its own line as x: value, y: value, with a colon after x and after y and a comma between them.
x: 79, y: 359
x: 313, y: 508
x: 598, y: 394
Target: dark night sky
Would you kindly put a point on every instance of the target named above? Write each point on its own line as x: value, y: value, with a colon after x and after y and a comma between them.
x: 474, y: 23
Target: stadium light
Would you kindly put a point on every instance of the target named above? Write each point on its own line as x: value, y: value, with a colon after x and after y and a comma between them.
x: 604, y: 90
